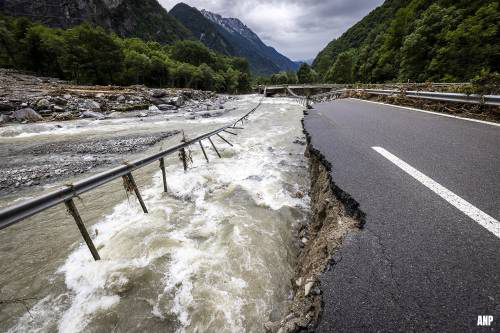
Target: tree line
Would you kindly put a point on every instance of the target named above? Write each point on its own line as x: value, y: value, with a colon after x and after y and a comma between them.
x: 417, y: 41
x: 87, y: 54
x: 305, y: 74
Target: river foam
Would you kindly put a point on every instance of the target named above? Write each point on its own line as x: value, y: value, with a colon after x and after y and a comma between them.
x: 215, y: 254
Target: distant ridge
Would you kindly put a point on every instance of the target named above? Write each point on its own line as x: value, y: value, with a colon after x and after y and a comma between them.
x: 232, y: 37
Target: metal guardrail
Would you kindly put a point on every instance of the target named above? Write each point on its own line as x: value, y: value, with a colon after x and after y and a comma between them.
x: 493, y: 100
x: 17, y: 213
x: 438, y: 96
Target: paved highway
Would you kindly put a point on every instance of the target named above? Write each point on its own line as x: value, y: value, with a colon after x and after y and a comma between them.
x: 428, y: 258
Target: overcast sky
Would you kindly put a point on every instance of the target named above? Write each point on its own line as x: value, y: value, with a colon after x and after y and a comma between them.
x: 297, y: 28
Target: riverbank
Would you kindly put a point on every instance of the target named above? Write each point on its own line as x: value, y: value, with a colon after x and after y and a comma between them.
x: 222, y: 232
x: 334, y: 215
x: 25, y: 98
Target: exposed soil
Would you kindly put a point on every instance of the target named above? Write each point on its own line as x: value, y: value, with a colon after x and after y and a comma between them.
x: 334, y: 214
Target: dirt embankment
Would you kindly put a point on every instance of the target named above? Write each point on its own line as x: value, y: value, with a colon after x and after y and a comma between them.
x: 334, y: 214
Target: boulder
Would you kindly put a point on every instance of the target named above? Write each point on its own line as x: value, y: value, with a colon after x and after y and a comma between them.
x: 67, y: 96
x: 120, y: 98
x: 153, y: 108
x: 307, y: 288
x: 64, y: 116
x: 92, y: 114
x: 158, y: 93
x: 89, y: 105
x: 26, y: 114
x: 177, y: 101
x: 167, y: 107
x: 157, y: 101
x: 58, y: 108
x: 43, y: 104
x: 59, y: 101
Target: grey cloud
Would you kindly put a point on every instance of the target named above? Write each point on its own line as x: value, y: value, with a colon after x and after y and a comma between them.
x: 297, y: 28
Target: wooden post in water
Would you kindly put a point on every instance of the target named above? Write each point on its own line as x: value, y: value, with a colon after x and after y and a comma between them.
x: 164, y: 174
x: 203, y: 150
x: 70, y: 205
x: 131, y: 181
x: 184, y: 159
x: 209, y: 139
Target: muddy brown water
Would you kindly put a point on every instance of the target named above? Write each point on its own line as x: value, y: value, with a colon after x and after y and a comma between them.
x: 215, y: 254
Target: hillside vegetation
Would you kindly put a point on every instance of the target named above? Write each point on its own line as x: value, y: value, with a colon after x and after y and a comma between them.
x: 89, y: 55
x: 418, y: 41
x: 145, y: 19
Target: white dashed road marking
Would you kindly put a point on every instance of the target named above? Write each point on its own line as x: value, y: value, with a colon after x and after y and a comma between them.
x: 486, y: 221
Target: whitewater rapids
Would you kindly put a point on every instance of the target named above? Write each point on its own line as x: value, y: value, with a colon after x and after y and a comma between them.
x: 215, y: 254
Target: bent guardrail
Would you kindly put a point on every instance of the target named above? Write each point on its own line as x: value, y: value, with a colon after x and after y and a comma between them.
x: 17, y: 213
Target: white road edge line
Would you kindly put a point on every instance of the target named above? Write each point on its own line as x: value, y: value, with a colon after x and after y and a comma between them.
x: 486, y: 221
x: 430, y: 112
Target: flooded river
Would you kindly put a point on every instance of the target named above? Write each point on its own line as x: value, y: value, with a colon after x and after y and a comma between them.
x: 215, y: 254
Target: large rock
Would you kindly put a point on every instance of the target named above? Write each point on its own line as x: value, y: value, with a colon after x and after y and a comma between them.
x: 64, y: 116
x: 167, y: 107
x: 59, y: 101
x: 158, y: 93
x: 177, y: 101
x: 26, y: 114
x: 89, y: 105
x: 43, y: 104
x: 91, y: 114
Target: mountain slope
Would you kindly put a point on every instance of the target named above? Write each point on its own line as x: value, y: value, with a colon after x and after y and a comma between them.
x: 416, y: 40
x: 145, y: 19
x: 230, y: 36
x: 203, y: 29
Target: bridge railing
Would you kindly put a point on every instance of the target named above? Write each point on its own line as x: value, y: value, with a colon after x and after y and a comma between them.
x: 17, y: 213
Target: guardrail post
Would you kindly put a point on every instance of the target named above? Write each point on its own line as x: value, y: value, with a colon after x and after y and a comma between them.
x: 164, y: 174
x: 129, y: 179
x: 209, y: 139
x: 203, y: 150
x: 70, y: 205
x: 229, y: 132
x: 183, y: 158
x: 220, y: 136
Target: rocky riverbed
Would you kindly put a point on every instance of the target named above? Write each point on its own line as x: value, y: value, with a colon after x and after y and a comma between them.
x: 40, y: 164
x: 51, y: 130
x: 26, y: 98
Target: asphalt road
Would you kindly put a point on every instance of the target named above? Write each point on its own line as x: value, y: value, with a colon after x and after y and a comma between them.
x: 420, y: 263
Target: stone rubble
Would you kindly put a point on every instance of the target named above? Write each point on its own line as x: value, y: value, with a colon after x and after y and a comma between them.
x: 26, y: 98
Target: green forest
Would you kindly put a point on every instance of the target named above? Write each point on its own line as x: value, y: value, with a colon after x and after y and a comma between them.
x: 89, y: 55
x: 417, y: 41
